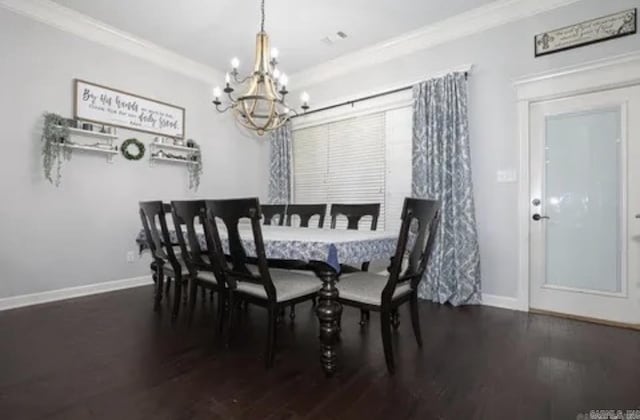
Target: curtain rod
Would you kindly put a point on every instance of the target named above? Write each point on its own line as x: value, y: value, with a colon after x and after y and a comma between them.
x: 363, y: 98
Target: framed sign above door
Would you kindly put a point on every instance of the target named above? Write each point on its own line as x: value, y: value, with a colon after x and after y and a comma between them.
x: 585, y: 33
x: 104, y: 105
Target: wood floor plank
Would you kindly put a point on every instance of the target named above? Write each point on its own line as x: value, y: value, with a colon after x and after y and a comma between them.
x: 110, y: 356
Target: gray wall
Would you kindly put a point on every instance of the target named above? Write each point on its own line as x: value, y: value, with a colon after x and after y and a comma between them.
x: 79, y: 233
x: 499, y: 57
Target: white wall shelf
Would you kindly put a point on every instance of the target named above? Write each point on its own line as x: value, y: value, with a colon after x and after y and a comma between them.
x: 87, y: 133
x: 166, y: 159
x: 170, y: 146
x: 110, y: 152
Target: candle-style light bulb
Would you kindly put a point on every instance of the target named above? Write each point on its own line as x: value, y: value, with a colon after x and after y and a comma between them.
x: 284, y: 80
x: 217, y: 92
x: 274, y: 53
x: 276, y: 74
x: 227, y: 79
x: 304, y: 97
x: 235, y: 63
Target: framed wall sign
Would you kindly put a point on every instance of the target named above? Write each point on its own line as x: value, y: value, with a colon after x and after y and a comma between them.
x: 585, y: 33
x: 104, y: 105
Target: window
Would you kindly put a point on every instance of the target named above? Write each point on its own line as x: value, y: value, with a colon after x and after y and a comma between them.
x: 363, y: 159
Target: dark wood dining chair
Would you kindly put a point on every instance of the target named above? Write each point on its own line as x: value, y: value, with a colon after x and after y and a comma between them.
x: 305, y: 212
x: 272, y: 289
x: 154, y: 266
x: 354, y: 214
x: 385, y: 294
x: 167, y: 262
x: 270, y: 211
x: 199, y: 259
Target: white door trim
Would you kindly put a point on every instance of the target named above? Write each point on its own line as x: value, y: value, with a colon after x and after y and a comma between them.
x: 613, y: 72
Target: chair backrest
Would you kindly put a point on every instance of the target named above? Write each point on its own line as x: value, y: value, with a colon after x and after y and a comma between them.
x: 306, y: 212
x: 269, y: 211
x: 420, y: 219
x: 231, y: 212
x: 187, y: 215
x: 355, y: 212
x: 152, y: 214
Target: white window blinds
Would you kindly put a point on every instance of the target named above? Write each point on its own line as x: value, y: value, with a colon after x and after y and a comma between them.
x: 341, y: 162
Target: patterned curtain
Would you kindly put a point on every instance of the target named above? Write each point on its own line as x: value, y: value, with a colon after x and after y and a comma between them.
x: 442, y: 170
x: 280, y: 166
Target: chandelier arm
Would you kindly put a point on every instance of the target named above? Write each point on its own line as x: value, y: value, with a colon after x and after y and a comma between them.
x: 293, y: 111
x: 231, y: 98
x: 241, y: 81
x: 225, y: 109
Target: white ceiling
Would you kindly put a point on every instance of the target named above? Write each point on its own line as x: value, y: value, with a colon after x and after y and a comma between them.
x: 213, y: 31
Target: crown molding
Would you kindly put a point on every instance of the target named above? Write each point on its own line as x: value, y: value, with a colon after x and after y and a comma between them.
x: 473, y: 21
x: 71, y: 21
x: 468, y: 23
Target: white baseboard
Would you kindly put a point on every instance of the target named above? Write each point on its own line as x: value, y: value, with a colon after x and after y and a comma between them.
x: 505, y: 302
x: 72, y: 292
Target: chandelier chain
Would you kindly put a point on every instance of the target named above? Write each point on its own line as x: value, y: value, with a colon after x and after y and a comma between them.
x: 262, y: 13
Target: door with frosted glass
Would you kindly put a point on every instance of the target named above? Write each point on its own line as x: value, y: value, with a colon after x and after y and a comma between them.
x: 585, y: 205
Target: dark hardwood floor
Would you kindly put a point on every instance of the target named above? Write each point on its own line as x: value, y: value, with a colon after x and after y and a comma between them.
x: 110, y: 357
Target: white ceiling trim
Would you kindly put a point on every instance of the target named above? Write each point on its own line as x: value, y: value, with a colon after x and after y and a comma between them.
x: 473, y: 21
x: 76, y: 23
x: 468, y: 23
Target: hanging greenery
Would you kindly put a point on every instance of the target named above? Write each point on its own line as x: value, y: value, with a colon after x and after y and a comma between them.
x: 195, y: 168
x: 54, y: 135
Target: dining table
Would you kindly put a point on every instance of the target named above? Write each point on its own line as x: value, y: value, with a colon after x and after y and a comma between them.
x: 323, y: 249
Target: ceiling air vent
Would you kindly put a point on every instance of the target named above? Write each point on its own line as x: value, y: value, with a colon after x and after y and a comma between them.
x: 332, y: 39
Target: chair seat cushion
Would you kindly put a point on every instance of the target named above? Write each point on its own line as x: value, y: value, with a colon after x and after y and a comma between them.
x: 168, y: 268
x: 289, y: 284
x: 207, y: 276
x: 365, y: 287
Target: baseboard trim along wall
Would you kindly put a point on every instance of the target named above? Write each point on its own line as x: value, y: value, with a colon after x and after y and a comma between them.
x: 504, y: 302
x: 72, y: 292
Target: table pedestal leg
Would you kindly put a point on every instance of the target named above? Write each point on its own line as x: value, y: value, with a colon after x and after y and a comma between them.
x: 329, y: 311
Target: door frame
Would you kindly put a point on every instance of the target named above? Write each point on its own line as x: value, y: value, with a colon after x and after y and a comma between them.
x: 610, y: 73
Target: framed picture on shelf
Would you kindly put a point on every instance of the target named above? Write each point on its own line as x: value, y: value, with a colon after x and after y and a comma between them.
x: 104, y: 105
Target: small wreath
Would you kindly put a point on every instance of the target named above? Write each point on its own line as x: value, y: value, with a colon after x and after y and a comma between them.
x: 137, y: 154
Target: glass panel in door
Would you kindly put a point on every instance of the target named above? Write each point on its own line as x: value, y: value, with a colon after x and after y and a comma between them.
x: 582, y: 200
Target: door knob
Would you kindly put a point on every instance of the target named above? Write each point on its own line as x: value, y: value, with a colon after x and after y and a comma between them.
x: 537, y: 217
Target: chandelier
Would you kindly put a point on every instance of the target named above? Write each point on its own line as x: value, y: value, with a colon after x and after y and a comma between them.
x: 261, y: 107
